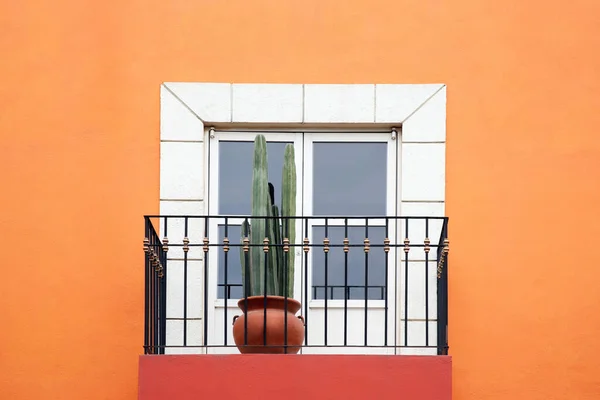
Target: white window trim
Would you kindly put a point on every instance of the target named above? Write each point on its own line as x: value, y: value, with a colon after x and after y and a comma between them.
x: 189, y: 109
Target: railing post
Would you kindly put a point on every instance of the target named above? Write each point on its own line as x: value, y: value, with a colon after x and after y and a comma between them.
x: 442, y: 289
x: 163, y: 297
x: 445, y: 285
x: 146, y: 284
x: 155, y: 298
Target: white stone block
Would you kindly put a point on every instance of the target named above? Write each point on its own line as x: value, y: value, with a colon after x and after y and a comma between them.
x: 396, y: 102
x: 423, y: 171
x: 177, y: 122
x: 339, y: 103
x: 181, y: 171
x: 267, y: 103
x: 210, y: 101
x: 428, y: 124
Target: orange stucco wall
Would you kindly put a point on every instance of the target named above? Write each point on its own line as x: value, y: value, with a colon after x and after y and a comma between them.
x: 79, y: 113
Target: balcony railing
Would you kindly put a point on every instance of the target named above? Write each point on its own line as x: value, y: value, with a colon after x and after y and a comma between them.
x: 366, y: 284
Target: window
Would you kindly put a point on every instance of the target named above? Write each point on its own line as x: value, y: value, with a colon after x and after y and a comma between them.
x: 346, y: 176
x: 340, y: 175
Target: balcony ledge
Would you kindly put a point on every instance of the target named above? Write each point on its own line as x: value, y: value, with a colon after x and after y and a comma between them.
x: 267, y: 377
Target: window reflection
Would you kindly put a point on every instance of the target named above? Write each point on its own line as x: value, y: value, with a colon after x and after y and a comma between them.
x: 235, y: 174
x: 349, y: 178
x: 336, y: 267
x: 233, y: 286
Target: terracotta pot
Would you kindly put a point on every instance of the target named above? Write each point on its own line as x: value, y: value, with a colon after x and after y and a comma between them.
x: 275, y: 326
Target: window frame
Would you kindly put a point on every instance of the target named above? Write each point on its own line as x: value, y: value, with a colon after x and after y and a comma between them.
x: 350, y: 136
x: 213, y: 192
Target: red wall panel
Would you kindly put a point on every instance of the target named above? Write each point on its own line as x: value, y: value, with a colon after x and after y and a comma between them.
x: 292, y: 377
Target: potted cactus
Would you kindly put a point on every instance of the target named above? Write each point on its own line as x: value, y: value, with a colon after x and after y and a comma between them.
x: 269, y: 324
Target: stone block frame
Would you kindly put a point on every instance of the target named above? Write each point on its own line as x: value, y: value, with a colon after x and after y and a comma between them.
x: 189, y: 109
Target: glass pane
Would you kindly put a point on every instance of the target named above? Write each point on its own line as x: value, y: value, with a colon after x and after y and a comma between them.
x: 336, y: 266
x: 349, y: 178
x: 233, y: 286
x: 235, y: 175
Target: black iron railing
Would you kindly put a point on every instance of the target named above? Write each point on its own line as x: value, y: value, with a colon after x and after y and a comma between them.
x: 349, y: 269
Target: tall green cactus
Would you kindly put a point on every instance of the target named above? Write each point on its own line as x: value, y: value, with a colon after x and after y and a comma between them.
x: 288, y: 208
x: 266, y: 221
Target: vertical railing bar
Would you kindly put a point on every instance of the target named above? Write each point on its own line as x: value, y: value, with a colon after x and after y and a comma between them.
x: 426, y: 283
x: 225, y: 294
x: 385, y: 329
x: 445, y: 283
x: 146, y: 285
x: 442, y: 295
x: 266, y: 265
x: 406, y: 286
x: 205, y: 305
x: 306, y: 299
x: 154, y: 294
x: 366, y: 276
x: 163, y: 286
x: 346, y: 288
x: 285, y: 235
x: 439, y: 293
x: 162, y: 301
x: 155, y: 301
x: 397, y: 222
x: 150, y: 300
x: 246, y: 283
x: 326, y: 250
x: 185, y: 276
x: 155, y: 249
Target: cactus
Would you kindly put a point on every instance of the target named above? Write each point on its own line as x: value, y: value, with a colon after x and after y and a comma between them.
x: 266, y: 221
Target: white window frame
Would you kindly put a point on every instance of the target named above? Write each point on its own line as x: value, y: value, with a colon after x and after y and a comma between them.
x: 213, y: 172
x: 189, y: 110
x: 348, y: 137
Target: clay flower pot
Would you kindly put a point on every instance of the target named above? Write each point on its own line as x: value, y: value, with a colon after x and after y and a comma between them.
x: 275, y: 326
